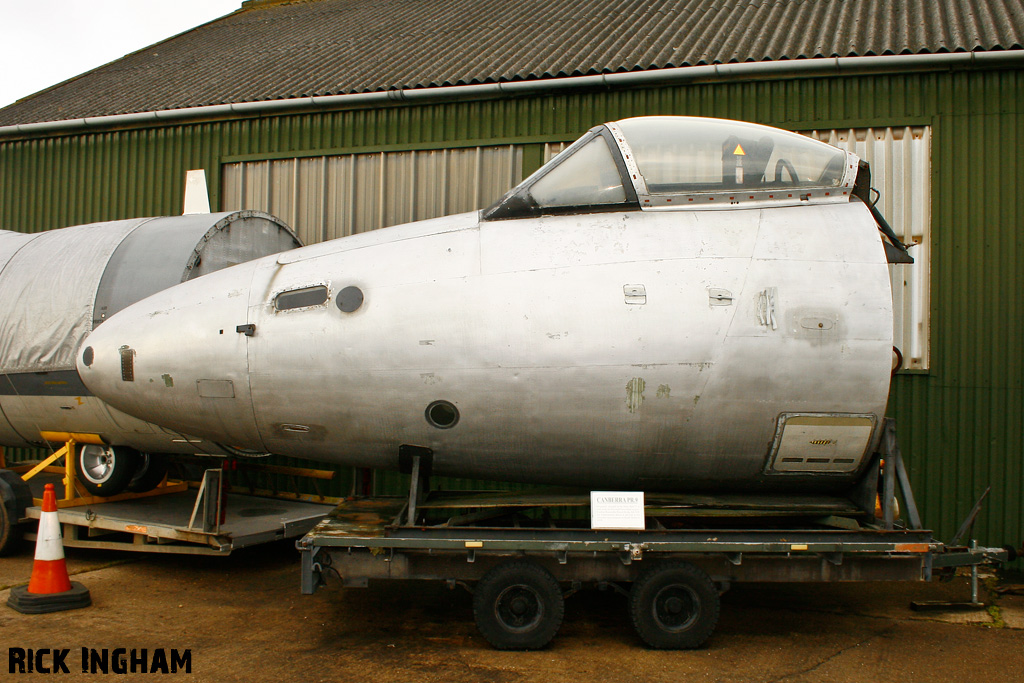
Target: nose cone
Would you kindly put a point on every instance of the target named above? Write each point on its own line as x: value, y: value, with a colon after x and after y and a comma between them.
x: 175, y: 359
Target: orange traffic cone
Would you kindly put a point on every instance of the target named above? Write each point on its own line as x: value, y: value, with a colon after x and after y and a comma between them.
x: 50, y: 589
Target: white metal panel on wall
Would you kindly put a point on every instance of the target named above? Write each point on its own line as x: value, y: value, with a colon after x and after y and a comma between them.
x: 900, y: 159
x: 332, y: 196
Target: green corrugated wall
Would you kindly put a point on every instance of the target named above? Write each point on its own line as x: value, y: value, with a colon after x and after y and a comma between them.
x: 960, y: 422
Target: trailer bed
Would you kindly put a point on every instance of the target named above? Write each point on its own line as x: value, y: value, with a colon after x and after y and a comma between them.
x: 366, y: 540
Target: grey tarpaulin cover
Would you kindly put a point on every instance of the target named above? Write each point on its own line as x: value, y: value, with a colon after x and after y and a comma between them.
x: 48, y: 307
x: 56, y: 286
x: 11, y: 242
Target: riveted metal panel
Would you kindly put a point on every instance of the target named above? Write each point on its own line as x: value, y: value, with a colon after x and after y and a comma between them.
x: 960, y: 421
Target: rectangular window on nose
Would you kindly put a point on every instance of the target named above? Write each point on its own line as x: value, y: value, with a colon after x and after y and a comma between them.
x: 301, y: 298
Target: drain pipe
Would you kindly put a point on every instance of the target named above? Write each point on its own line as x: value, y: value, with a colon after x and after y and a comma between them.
x: 711, y: 73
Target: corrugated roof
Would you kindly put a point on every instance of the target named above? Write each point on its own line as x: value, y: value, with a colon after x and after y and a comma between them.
x: 279, y: 50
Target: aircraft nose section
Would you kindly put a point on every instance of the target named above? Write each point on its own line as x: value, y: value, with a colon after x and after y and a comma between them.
x: 179, y: 359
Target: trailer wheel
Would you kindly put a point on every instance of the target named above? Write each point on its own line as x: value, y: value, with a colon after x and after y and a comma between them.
x: 151, y: 471
x: 9, y: 535
x: 15, y: 497
x: 106, y: 470
x: 674, y: 606
x: 518, y: 606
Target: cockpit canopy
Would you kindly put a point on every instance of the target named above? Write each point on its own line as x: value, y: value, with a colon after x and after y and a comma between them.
x: 680, y: 162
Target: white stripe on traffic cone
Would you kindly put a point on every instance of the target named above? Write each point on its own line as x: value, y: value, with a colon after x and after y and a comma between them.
x: 49, y: 571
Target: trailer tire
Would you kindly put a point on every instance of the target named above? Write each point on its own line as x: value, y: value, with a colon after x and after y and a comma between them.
x: 106, y: 470
x: 151, y: 471
x: 518, y: 605
x: 15, y: 497
x: 674, y: 606
x: 10, y: 535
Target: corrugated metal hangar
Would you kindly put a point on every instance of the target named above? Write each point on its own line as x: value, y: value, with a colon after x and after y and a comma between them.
x: 342, y: 116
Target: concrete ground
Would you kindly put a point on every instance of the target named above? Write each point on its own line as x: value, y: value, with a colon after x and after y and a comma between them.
x: 243, y: 619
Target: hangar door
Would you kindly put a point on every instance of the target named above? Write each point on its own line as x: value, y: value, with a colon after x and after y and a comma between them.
x: 333, y: 195
x: 325, y: 197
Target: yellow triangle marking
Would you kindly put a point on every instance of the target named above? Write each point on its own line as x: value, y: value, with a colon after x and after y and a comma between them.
x: 739, y: 151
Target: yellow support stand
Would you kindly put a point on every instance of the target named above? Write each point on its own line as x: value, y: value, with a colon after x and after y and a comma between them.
x: 71, y: 496
x: 68, y: 447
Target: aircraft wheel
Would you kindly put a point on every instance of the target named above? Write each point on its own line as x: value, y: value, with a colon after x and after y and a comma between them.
x: 518, y: 606
x: 674, y: 606
x: 106, y: 470
x: 151, y: 471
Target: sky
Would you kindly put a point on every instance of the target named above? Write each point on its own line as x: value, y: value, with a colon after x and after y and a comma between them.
x: 45, y: 42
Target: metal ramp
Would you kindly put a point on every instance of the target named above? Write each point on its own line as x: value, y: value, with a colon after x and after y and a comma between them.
x: 203, y: 522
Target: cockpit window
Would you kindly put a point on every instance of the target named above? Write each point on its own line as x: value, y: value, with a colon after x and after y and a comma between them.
x: 676, y: 162
x: 680, y: 155
x: 583, y: 177
x: 588, y: 176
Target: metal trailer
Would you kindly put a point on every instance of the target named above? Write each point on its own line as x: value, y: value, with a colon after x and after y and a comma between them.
x: 522, y: 553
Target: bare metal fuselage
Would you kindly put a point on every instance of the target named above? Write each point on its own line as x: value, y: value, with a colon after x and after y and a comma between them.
x: 632, y: 349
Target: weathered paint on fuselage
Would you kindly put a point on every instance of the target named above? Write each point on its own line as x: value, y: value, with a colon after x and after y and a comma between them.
x: 636, y: 349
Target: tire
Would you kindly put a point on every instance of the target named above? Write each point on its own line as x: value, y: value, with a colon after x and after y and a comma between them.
x: 674, y: 606
x: 106, y: 470
x: 15, y: 498
x: 10, y: 533
x: 151, y: 471
x: 518, y: 606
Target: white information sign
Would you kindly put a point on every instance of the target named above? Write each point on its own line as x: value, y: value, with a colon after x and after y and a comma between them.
x: 617, y: 510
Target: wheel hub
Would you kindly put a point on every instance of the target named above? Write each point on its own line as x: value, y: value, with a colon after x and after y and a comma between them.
x: 97, y: 463
x: 519, y: 608
x: 675, y: 607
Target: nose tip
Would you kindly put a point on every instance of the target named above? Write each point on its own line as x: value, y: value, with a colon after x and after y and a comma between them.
x: 175, y: 360
x: 95, y: 362
x: 98, y: 369
x: 106, y: 363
